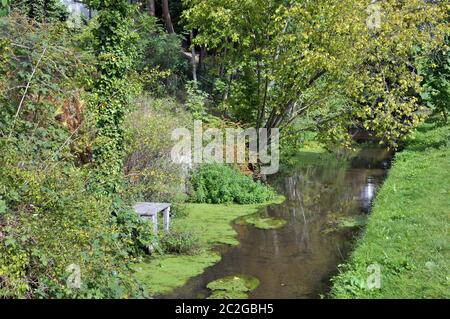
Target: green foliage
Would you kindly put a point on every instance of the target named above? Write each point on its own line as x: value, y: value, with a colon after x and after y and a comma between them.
x: 115, y: 51
x: 133, y: 230
x: 49, y: 219
x: 41, y: 10
x: 196, y: 101
x: 35, y: 118
x: 4, y: 7
x: 50, y: 223
x: 182, y: 243
x: 160, y: 65
x: 219, y: 184
x: 279, y: 60
x: 436, y: 86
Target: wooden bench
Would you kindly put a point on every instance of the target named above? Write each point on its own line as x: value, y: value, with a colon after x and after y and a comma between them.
x: 151, y: 211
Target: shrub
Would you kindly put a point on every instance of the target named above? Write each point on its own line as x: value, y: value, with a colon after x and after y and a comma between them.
x: 196, y: 101
x: 220, y: 184
x: 41, y: 10
x: 182, y: 243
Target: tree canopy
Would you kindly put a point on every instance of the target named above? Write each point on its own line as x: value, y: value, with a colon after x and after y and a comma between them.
x: 324, y: 59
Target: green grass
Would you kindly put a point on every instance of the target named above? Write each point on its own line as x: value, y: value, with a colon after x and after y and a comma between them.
x: 409, y: 228
x: 212, y: 224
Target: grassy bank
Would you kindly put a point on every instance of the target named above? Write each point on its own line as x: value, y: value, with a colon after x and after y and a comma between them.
x: 408, y: 230
x: 212, y: 224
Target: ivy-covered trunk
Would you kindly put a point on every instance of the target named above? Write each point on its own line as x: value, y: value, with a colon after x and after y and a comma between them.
x: 115, y: 54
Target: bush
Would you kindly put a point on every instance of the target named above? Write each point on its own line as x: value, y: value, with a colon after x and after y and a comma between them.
x: 220, y: 184
x: 182, y: 243
x: 41, y: 10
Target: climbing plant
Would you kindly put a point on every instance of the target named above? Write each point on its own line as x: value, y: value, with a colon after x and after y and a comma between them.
x: 115, y: 50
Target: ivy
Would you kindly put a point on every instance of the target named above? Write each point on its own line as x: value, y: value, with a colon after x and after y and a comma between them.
x: 115, y: 50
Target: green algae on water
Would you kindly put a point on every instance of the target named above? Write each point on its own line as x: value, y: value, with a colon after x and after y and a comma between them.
x: 233, y: 287
x: 261, y: 222
x: 163, y: 274
x: 345, y: 223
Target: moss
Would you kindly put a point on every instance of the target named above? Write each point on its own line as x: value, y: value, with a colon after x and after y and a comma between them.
x: 212, y: 224
x: 163, y: 274
x: 352, y: 222
x: 407, y: 232
x: 233, y: 287
x: 261, y: 222
x: 345, y: 222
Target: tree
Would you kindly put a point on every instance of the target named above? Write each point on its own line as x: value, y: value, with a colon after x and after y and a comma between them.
x: 151, y: 8
x: 280, y: 60
x: 167, y: 19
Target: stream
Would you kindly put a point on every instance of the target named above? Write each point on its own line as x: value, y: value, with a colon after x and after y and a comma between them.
x: 298, y: 260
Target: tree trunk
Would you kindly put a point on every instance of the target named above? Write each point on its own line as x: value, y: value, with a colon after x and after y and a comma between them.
x: 193, y: 60
x: 151, y: 9
x: 166, y: 15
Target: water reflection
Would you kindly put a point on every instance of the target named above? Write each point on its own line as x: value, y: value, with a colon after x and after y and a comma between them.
x: 298, y: 260
x: 367, y: 195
